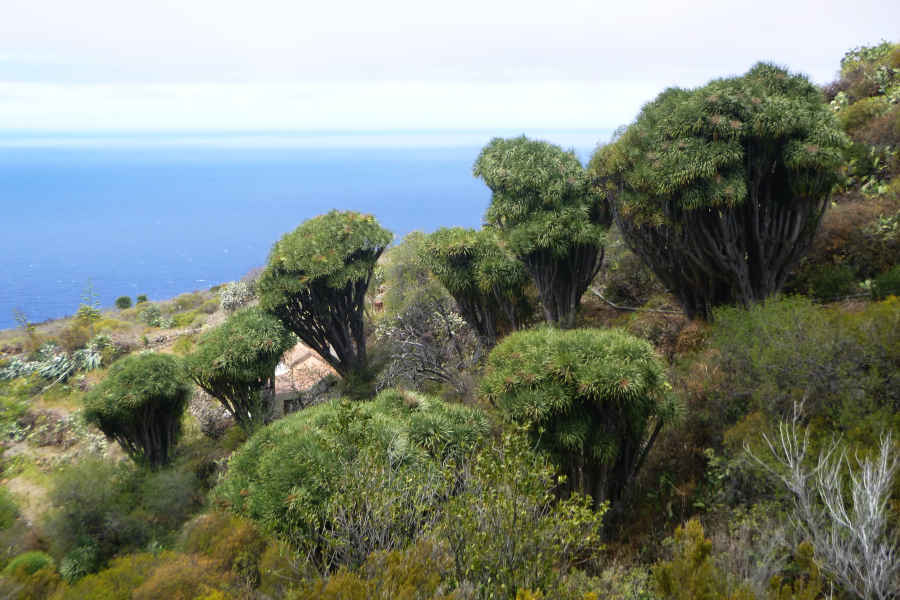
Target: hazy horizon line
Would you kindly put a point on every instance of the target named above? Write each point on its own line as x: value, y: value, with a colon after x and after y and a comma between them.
x: 324, y: 138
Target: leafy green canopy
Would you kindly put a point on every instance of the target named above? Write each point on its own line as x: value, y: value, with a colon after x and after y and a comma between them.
x: 316, y: 281
x: 140, y: 404
x: 542, y: 198
x: 596, y: 399
x: 234, y: 361
x: 704, y: 148
x: 487, y: 284
x: 336, y: 249
x: 720, y: 189
x: 341, y: 480
x: 550, y: 216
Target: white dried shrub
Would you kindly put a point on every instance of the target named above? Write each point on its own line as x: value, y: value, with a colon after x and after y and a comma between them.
x: 236, y: 294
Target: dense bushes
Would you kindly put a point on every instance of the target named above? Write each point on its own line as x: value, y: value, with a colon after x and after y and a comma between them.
x: 100, y: 509
x: 596, y: 399
x: 340, y: 481
x: 506, y: 530
x: 139, y: 405
x: 843, y: 366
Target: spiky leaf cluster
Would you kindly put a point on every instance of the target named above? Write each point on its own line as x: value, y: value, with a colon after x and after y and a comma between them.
x: 316, y: 280
x: 139, y: 404
x: 550, y: 217
x: 334, y: 249
x: 594, y: 398
x: 706, y: 148
x: 233, y: 362
x: 721, y: 188
x: 291, y: 476
x: 487, y: 283
x: 542, y: 198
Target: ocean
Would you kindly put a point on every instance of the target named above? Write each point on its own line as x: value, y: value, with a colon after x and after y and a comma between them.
x: 163, y: 215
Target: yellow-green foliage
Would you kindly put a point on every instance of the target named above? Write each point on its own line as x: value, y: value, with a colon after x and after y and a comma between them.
x: 413, y: 574
x: 691, y: 573
x: 507, y: 529
x: 116, y: 582
x: 234, y: 544
x: 187, y: 577
x: 186, y: 302
x: 109, y: 324
x: 184, y: 345
x: 35, y: 586
x: 29, y: 563
x: 859, y: 113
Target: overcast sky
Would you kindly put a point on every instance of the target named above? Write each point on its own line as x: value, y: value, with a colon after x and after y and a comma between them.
x: 295, y: 65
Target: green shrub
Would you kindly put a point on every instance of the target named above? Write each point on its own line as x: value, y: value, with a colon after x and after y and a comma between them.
x: 79, y: 562
x: 596, y: 399
x: 185, y: 319
x: 416, y: 573
x: 139, y: 405
x: 339, y: 481
x: 842, y: 366
x: 116, y: 582
x: 887, y: 284
x: 234, y: 544
x: 9, y: 510
x: 692, y: 574
x: 209, y: 306
x: 506, y: 529
x: 186, y: 577
x: 169, y: 497
x: 93, y: 503
x: 74, y: 337
x: 141, y: 298
x: 151, y: 315
x: 35, y: 586
x: 187, y: 301
x: 29, y: 563
x: 123, y: 302
x: 858, y: 114
x: 184, y: 345
x: 832, y: 282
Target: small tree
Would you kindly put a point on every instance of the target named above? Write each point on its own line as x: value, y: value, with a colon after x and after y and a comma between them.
x: 316, y: 282
x: 549, y: 216
x: 721, y: 189
x: 123, y: 302
x: 236, y: 361
x: 488, y: 285
x: 140, y: 405
x: 596, y: 399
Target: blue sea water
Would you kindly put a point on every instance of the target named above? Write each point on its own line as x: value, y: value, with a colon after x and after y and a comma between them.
x: 166, y: 218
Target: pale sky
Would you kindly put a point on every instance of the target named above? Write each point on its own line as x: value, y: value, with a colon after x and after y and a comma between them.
x: 292, y: 65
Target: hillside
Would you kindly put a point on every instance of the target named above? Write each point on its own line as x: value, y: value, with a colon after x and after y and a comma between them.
x: 670, y: 445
